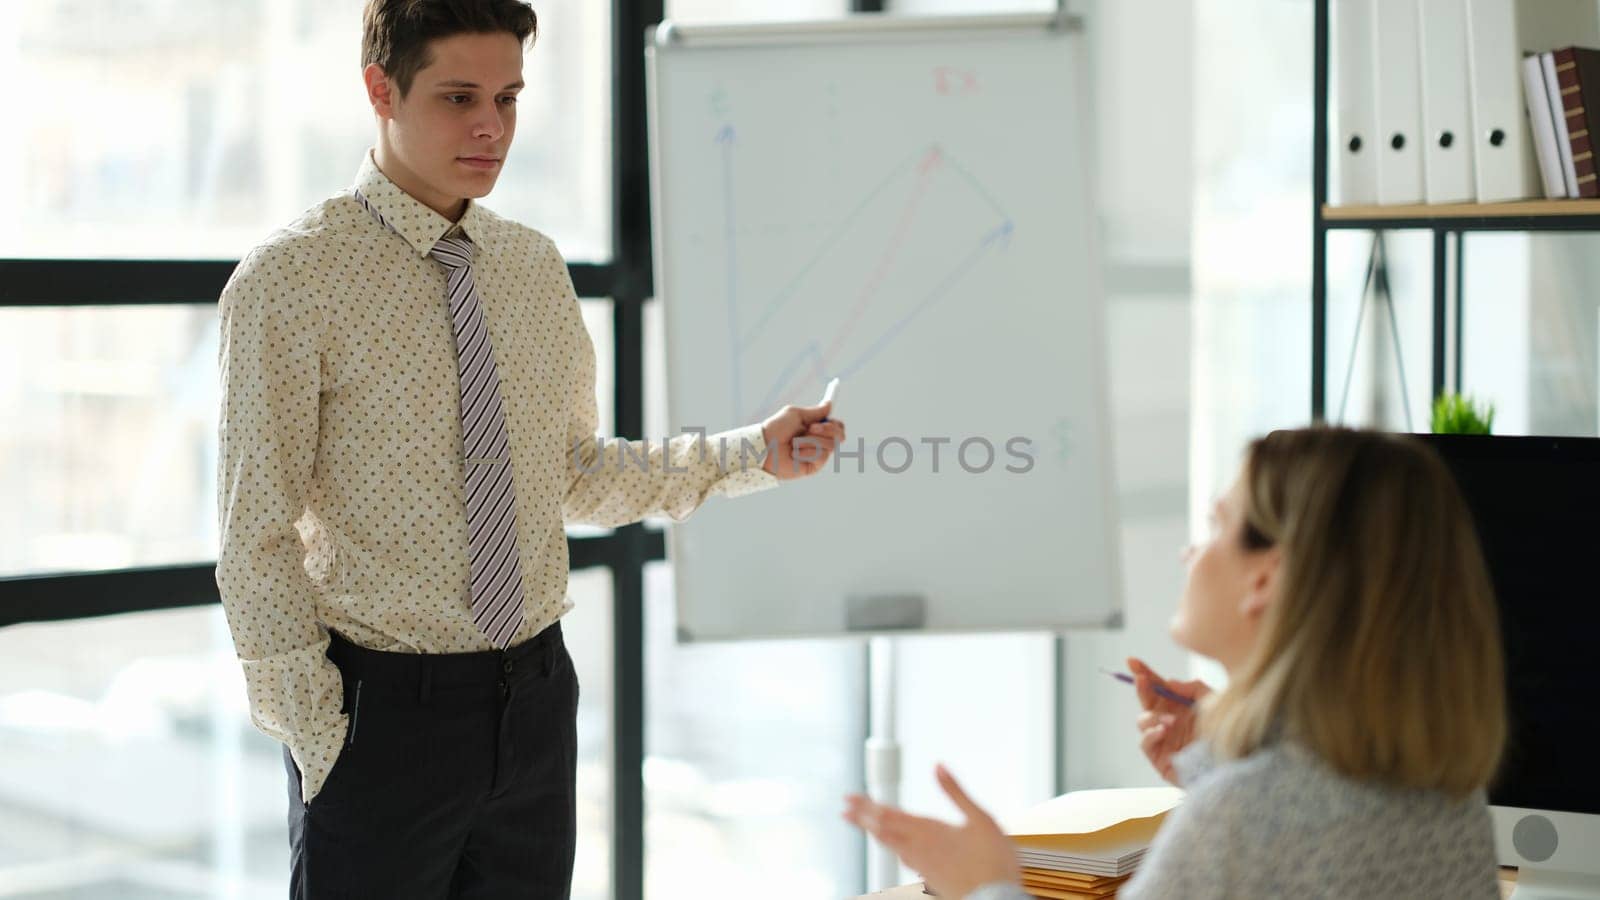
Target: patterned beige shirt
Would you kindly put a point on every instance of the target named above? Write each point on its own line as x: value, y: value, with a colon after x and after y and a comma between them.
x: 340, y: 471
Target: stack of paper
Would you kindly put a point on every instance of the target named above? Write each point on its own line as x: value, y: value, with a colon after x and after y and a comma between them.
x: 1067, y: 886
x: 1084, y: 845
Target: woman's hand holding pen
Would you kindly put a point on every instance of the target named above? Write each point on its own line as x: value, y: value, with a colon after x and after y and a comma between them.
x: 1166, y: 726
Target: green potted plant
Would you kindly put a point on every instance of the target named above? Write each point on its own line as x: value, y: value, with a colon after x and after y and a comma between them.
x: 1460, y: 414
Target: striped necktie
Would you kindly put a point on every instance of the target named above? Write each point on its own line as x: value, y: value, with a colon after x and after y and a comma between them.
x: 497, y: 607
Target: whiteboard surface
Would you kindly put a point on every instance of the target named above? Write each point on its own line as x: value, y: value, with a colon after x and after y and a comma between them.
x: 911, y: 215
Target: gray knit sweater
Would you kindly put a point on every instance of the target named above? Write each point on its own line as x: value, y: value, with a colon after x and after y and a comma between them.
x: 1280, y: 823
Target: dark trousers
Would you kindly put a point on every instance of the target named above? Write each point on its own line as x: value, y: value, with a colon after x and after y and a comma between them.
x: 456, y: 779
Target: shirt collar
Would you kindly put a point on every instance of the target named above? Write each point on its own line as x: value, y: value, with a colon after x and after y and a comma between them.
x: 420, y: 226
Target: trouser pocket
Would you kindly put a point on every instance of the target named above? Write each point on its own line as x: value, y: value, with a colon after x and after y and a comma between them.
x: 353, y: 710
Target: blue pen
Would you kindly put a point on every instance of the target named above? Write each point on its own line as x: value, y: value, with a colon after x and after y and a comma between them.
x: 1160, y: 689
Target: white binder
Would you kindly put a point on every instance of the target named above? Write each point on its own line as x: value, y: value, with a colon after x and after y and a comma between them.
x: 1446, y: 109
x: 1544, y: 129
x: 1558, y: 116
x: 1355, y: 134
x: 1499, y: 34
x: 1396, y: 41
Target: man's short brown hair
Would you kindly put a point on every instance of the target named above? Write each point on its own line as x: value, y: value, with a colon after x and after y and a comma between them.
x: 395, y: 33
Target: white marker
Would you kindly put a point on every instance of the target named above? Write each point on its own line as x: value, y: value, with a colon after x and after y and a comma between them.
x: 827, y: 395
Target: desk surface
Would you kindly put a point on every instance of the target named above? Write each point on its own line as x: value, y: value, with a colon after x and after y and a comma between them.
x: 1508, y: 883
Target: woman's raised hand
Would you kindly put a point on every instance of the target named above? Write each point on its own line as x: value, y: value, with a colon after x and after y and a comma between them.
x: 1166, y: 726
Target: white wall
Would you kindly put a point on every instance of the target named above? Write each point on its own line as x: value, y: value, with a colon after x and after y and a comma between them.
x: 1144, y: 112
x: 1252, y: 233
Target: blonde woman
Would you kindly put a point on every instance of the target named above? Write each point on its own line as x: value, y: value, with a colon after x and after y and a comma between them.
x: 1343, y: 590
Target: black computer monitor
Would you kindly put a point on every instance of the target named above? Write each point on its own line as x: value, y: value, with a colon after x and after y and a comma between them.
x: 1536, y: 504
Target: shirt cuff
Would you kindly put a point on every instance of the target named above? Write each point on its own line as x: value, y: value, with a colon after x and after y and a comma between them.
x: 297, y: 697
x: 315, y: 758
x: 741, y: 453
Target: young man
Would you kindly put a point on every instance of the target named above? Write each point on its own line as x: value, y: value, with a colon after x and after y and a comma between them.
x: 408, y: 418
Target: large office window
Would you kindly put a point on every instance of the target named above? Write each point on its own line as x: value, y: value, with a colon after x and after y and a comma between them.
x: 109, y: 453
x: 109, y: 446
x: 129, y: 767
x: 162, y: 129
x: 750, y: 749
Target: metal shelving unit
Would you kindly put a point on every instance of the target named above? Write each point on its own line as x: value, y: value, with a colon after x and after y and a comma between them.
x: 1448, y: 223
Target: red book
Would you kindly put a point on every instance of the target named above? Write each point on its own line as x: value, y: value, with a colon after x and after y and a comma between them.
x: 1578, y: 73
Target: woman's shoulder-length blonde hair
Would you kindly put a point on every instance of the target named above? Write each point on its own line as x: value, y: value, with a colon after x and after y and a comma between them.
x: 1381, y: 649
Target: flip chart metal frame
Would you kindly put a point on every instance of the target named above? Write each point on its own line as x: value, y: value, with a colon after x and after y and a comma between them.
x: 881, y: 752
x: 670, y: 34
